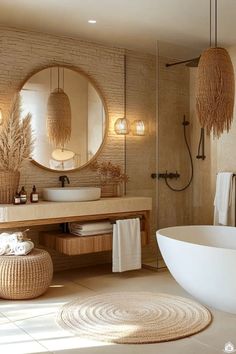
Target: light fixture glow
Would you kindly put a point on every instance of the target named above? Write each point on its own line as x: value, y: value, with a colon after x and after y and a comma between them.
x: 121, y: 126
x: 92, y: 21
x: 138, y: 127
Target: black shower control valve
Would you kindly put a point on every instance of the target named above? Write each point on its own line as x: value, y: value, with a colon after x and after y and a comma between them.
x: 169, y: 175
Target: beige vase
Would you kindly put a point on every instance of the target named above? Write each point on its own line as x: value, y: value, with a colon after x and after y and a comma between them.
x: 111, y: 189
x: 9, y: 183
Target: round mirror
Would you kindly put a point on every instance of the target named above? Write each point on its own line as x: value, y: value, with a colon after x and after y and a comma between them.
x: 68, y: 118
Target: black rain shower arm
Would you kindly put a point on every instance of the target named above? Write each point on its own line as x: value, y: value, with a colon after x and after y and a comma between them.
x: 193, y: 60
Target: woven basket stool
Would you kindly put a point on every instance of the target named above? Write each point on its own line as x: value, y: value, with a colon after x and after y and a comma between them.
x: 25, y: 277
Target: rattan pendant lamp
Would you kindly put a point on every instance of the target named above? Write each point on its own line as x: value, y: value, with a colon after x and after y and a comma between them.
x: 58, y: 116
x: 215, y: 87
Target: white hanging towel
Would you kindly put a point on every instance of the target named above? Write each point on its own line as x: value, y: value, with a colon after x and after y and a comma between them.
x: 224, y: 203
x: 126, y: 245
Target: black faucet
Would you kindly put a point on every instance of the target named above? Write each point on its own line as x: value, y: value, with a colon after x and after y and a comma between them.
x: 62, y: 179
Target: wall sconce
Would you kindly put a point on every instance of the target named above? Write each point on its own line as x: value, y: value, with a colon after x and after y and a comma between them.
x: 121, y: 126
x: 138, y: 127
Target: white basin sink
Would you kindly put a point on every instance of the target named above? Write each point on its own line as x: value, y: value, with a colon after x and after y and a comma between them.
x: 71, y: 194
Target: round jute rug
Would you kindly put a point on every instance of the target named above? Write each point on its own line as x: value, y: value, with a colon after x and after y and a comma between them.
x: 129, y: 317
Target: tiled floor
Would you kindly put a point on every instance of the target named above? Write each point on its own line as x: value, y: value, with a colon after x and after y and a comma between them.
x: 30, y: 326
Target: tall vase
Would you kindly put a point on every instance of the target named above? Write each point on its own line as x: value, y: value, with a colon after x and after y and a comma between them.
x: 9, y: 183
x: 111, y: 189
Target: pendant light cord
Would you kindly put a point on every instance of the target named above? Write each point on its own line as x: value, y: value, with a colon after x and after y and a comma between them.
x: 125, y: 162
x: 58, y: 79
x: 215, y: 23
x: 210, y: 25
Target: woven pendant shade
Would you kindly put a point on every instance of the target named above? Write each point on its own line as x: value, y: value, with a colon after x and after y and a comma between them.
x: 215, y: 91
x: 59, y: 118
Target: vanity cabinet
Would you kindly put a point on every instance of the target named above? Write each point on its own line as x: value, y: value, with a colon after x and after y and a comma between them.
x: 49, y: 213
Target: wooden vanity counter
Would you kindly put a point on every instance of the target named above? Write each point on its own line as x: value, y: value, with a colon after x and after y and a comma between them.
x: 46, y: 213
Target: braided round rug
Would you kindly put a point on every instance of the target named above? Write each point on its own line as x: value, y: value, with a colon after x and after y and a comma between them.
x: 129, y: 317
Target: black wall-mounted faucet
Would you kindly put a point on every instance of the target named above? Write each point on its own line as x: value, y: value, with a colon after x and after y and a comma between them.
x: 62, y: 179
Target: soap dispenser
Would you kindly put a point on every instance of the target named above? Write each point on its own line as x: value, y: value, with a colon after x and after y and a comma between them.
x: 23, y: 196
x: 34, y: 196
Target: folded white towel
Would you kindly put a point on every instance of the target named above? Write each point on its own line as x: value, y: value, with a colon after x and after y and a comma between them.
x: 91, y: 226
x: 126, y: 245
x: 89, y: 233
x: 23, y: 248
x: 224, y: 202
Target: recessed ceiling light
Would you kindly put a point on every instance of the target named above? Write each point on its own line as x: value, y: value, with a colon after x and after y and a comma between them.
x: 92, y: 21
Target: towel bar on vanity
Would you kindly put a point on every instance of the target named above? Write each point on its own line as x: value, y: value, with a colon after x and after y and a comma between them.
x: 113, y: 221
x: 234, y: 174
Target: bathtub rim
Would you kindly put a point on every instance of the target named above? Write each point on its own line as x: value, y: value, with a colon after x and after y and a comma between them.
x: 192, y: 243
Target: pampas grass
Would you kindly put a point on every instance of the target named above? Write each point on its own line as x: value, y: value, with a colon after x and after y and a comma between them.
x: 16, y: 141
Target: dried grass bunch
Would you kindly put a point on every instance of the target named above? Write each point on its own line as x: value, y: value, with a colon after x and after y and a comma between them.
x: 109, y: 173
x: 16, y: 142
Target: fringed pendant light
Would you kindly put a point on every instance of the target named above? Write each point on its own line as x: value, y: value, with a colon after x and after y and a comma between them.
x: 215, y: 88
x: 58, y: 117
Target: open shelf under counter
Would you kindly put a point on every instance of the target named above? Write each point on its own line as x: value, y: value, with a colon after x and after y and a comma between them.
x: 45, y: 213
x: 75, y: 245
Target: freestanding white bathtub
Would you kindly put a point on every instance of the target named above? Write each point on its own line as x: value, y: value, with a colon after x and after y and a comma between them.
x: 202, y: 259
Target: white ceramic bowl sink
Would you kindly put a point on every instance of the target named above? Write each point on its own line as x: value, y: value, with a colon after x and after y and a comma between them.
x: 71, y: 194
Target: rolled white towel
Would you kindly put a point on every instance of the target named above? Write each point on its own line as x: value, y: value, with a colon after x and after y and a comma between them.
x: 10, y: 249
x: 23, y: 248
x: 3, y: 249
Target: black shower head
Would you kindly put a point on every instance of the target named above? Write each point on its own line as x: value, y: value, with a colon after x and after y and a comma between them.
x: 193, y: 63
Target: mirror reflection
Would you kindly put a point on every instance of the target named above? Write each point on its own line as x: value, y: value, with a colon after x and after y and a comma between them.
x: 68, y: 117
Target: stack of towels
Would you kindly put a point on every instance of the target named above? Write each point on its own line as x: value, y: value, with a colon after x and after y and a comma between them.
x: 90, y: 228
x: 15, y: 244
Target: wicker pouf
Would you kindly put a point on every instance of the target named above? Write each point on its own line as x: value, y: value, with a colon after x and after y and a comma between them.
x: 25, y: 277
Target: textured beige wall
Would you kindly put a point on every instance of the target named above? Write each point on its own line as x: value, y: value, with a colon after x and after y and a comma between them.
x: 202, y: 198
x: 220, y: 156
x: 174, y: 208
x: 141, y: 150
x: 24, y: 52
x: 226, y: 145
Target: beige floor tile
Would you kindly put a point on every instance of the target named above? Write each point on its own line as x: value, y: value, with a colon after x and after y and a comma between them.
x: 3, y: 319
x: 57, y: 295
x: 139, y: 280
x: 36, y: 318
x: 45, y: 330
x: 221, y: 331
x: 48, y: 333
x: 14, y: 340
x: 177, y: 347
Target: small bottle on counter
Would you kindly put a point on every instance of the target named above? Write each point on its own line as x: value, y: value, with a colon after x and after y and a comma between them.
x: 16, y: 199
x: 34, y: 196
x: 23, y: 196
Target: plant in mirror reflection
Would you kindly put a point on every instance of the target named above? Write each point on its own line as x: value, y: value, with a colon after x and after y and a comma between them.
x: 109, y: 173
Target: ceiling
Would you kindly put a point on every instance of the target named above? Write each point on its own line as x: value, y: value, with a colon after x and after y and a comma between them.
x: 136, y: 24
